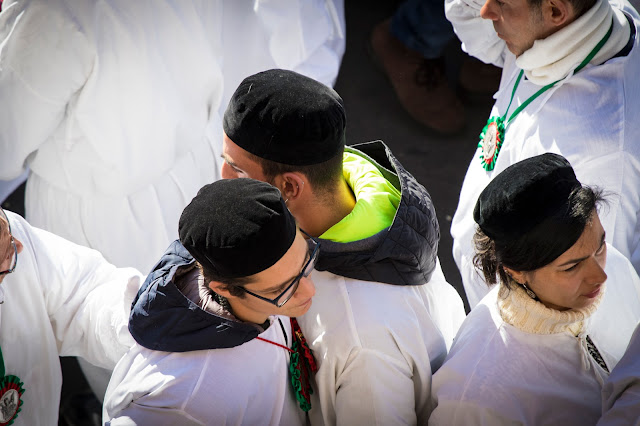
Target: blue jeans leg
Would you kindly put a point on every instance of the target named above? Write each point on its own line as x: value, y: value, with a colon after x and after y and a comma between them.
x: 421, y: 25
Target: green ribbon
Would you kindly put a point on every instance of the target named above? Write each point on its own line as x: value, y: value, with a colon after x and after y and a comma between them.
x: 583, y: 64
x: 503, y: 124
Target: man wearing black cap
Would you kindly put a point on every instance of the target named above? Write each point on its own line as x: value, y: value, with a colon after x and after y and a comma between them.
x: 569, y: 86
x: 383, y: 316
x: 214, y: 342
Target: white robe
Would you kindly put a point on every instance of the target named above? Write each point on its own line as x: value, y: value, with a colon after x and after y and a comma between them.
x: 497, y: 374
x: 61, y: 300
x: 621, y: 391
x: 590, y: 118
x: 244, y: 385
x: 115, y: 105
x: 377, y: 346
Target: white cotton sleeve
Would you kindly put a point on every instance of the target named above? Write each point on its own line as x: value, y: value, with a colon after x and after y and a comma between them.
x: 478, y: 37
x: 88, y: 300
x: 44, y: 60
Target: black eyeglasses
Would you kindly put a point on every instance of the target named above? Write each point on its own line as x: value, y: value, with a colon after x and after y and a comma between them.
x: 14, y: 261
x: 288, y: 292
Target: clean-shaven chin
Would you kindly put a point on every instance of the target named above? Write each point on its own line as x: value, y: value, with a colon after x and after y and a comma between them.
x: 304, y: 307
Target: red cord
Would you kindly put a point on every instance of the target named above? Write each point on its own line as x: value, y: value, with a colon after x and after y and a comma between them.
x: 274, y: 343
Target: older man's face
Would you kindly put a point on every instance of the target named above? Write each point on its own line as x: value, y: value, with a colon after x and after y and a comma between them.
x: 7, y: 251
x: 517, y: 23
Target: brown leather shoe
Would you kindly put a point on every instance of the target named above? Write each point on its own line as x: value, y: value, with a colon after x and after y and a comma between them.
x: 420, y: 84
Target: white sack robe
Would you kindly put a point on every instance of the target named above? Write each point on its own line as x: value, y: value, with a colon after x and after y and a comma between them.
x: 621, y: 391
x: 591, y: 119
x: 306, y: 36
x: 377, y: 346
x: 245, y: 385
x: 115, y: 105
x: 497, y: 374
x: 62, y: 300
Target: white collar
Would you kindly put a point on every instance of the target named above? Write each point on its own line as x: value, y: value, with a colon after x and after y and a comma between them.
x: 556, y: 56
x: 523, y: 312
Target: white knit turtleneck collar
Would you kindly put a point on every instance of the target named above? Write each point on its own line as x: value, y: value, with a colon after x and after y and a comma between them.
x: 556, y: 56
x: 531, y: 316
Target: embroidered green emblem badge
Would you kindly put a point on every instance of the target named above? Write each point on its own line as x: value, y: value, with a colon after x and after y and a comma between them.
x: 11, y: 392
x: 491, y: 139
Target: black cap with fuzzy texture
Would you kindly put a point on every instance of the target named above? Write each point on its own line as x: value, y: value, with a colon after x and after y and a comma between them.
x: 285, y: 117
x: 237, y: 227
x: 530, y: 197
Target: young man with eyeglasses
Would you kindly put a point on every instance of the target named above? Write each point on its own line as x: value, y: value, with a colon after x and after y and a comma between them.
x: 383, y: 316
x: 214, y: 341
x: 56, y: 299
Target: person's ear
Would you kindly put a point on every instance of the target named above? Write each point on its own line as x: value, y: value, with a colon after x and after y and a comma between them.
x: 291, y: 185
x: 557, y: 13
x: 518, y: 276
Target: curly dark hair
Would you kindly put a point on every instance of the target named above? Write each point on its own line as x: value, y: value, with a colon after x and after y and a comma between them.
x: 534, y: 249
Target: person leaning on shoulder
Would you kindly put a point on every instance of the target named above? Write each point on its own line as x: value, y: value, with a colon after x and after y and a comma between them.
x: 214, y: 341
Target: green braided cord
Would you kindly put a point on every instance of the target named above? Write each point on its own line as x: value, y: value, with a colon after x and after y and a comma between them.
x: 296, y: 373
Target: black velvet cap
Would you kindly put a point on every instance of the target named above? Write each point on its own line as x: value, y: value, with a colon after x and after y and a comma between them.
x: 285, y: 117
x: 237, y: 227
x: 533, y: 193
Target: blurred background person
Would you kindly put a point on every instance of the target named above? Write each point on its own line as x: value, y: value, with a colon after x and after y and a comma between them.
x: 410, y: 48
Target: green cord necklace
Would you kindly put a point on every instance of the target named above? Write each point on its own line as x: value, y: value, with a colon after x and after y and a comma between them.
x: 492, y: 135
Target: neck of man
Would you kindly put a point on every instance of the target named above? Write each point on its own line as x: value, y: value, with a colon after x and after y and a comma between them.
x: 242, y: 313
x: 316, y: 215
